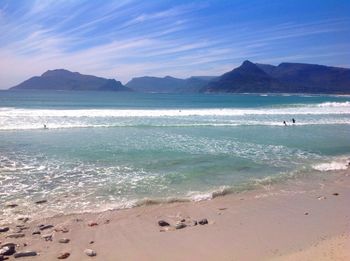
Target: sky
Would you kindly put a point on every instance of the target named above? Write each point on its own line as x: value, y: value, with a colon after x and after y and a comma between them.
x: 126, y: 38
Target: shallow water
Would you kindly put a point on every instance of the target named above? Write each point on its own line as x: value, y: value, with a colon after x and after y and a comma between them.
x: 113, y: 150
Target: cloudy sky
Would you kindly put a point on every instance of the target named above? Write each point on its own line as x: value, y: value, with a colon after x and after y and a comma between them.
x: 124, y: 39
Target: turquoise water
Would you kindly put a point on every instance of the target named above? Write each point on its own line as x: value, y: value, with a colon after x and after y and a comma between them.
x: 117, y: 150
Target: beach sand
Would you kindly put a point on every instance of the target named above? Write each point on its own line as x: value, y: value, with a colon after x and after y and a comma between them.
x: 303, y: 219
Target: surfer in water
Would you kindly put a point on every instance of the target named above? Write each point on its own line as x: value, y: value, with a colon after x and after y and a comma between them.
x: 293, y: 120
x: 285, y: 123
x: 45, y: 127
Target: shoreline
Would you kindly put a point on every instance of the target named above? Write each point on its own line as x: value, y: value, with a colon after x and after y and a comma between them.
x: 302, y: 219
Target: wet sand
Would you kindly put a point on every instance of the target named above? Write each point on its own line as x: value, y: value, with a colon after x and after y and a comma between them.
x: 304, y: 219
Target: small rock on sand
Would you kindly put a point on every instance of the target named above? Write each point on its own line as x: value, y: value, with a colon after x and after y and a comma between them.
x: 335, y: 194
x: 41, y: 201
x: 8, y: 249
x: 25, y: 253
x: 90, y: 252
x: 180, y: 226
x: 11, y: 205
x: 64, y: 240
x: 36, y: 232
x: 163, y: 223
x: 63, y: 255
x: 92, y: 224
x: 43, y: 227
x: 4, y: 229
x: 203, y: 221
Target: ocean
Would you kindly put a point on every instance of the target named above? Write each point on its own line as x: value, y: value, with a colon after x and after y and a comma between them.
x: 106, y: 150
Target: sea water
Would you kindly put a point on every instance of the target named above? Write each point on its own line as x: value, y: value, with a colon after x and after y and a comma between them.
x: 106, y: 150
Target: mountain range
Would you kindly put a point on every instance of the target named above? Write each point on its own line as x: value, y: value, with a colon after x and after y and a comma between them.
x: 247, y: 78
x: 61, y: 79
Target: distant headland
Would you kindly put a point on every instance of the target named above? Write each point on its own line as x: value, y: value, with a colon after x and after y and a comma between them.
x: 247, y: 78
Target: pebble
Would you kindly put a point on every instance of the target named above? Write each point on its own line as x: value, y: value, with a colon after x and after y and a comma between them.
x: 203, y: 221
x: 25, y: 253
x: 4, y: 229
x: 91, y: 242
x: 180, y: 226
x: 8, y: 249
x: 41, y: 201
x: 336, y: 194
x: 63, y: 255
x: 64, y: 240
x: 163, y: 223
x: 306, y: 213
x: 11, y: 205
x: 43, y: 227
x: 16, y: 235
x: 92, y: 224
x: 90, y: 252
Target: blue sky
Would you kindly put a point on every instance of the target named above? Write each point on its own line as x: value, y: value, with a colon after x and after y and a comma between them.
x: 125, y: 39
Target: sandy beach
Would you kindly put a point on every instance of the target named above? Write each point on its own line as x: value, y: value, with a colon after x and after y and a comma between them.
x: 304, y: 219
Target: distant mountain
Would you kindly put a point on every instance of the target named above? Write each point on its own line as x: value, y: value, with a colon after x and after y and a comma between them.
x: 168, y: 84
x: 286, y: 77
x: 311, y: 78
x: 246, y: 78
x: 61, y: 79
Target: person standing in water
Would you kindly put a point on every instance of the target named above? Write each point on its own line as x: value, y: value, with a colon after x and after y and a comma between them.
x: 285, y: 123
x: 293, y: 120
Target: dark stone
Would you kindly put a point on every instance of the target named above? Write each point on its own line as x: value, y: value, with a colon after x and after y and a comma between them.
x: 195, y: 223
x: 203, y: 221
x: 25, y: 253
x: 180, y: 226
x: 11, y: 205
x: 336, y: 194
x: 4, y: 229
x: 63, y: 255
x: 183, y: 220
x: 64, y: 240
x: 36, y: 232
x: 41, y: 201
x: 306, y: 213
x: 43, y: 227
x: 91, y: 242
x: 163, y: 223
x: 8, y: 249
x: 92, y: 224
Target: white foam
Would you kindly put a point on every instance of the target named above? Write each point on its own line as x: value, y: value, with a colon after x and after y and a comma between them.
x: 23, y: 119
x: 340, y: 164
x: 334, y: 104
